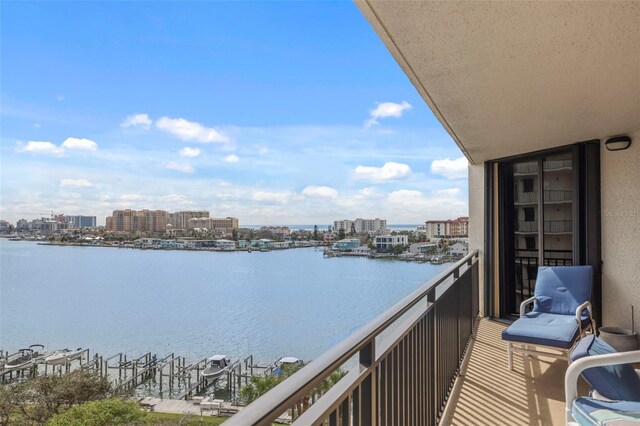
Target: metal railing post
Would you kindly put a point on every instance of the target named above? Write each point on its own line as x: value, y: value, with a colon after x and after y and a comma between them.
x: 368, y: 388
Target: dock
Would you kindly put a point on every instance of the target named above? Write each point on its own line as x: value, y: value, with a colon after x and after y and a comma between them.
x: 166, y: 384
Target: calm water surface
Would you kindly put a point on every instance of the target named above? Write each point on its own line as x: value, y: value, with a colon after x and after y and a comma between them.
x: 292, y: 302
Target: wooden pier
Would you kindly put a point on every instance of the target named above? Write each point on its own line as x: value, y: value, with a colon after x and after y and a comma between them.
x: 178, y: 385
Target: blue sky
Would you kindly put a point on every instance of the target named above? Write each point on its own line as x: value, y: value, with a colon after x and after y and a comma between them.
x: 273, y: 112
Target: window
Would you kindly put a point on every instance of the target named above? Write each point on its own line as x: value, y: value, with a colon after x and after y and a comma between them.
x: 529, y: 214
x: 527, y: 185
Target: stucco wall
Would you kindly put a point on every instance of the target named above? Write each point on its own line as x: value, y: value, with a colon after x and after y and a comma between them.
x: 476, y: 220
x: 621, y: 234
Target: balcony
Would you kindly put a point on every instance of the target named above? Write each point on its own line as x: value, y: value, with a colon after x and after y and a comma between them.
x: 428, y: 360
x: 488, y: 394
x: 400, y: 367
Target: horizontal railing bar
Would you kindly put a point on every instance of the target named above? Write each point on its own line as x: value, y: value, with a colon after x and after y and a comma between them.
x: 280, y: 398
x: 334, y: 397
x: 388, y: 343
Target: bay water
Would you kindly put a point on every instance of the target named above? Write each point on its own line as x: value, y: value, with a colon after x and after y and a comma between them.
x: 280, y: 303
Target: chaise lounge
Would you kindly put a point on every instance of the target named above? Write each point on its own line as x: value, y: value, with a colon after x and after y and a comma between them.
x: 561, y: 314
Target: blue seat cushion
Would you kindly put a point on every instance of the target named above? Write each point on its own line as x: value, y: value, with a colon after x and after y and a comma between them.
x: 561, y: 289
x: 589, y: 411
x: 538, y: 328
x: 617, y: 382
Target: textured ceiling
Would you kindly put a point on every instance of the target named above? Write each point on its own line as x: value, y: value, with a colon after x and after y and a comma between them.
x: 506, y: 78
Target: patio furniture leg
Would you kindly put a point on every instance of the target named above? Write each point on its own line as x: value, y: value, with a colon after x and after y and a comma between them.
x: 510, y: 356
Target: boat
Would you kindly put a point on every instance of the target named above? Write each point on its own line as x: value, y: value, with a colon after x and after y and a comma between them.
x: 285, y: 361
x: 63, y: 356
x: 23, y: 358
x: 219, y: 365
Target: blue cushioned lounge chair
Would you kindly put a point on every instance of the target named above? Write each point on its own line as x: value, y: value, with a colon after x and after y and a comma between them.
x: 615, y: 385
x: 561, y: 313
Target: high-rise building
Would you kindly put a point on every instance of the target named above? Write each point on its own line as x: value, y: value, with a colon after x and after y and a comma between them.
x: 370, y: 225
x: 213, y: 223
x: 344, y: 224
x: 79, y: 221
x: 451, y: 228
x: 361, y: 225
x: 137, y: 220
x: 180, y: 220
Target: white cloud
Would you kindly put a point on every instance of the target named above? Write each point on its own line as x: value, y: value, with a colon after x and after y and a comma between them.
x: 387, y: 109
x: 37, y: 125
x: 225, y: 196
x: 60, y: 98
x: 449, y: 192
x: 181, y: 167
x: 39, y: 147
x: 130, y: 197
x: 189, y: 152
x: 80, y: 144
x: 404, y: 203
x: 274, y: 197
x: 75, y: 183
x: 137, y: 120
x: 190, y: 131
x: 232, y: 159
x: 175, y: 201
x: 320, y: 191
x: 390, y: 171
x: 404, y: 195
x: 451, y: 169
x: 369, y: 193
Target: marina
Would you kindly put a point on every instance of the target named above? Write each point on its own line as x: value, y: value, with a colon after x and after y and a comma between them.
x: 211, y: 383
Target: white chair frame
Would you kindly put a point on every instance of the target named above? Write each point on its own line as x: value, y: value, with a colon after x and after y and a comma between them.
x: 523, y: 348
x: 577, y: 367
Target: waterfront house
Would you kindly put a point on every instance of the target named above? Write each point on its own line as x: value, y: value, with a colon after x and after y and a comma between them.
x: 346, y: 244
x: 225, y: 244
x: 279, y: 244
x: 384, y: 243
x: 543, y: 100
x: 423, y: 248
x: 262, y: 243
x: 361, y: 251
x: 458, y: 249
x: 147, y: 242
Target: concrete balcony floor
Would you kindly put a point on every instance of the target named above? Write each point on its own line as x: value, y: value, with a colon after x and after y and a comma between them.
x: 486, y: 393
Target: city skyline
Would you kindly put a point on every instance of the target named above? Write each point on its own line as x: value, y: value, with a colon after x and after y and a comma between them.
x: 275, y: 118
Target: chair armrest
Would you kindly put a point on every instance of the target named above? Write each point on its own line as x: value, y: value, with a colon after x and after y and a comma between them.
x: 586, y: 305
x: 524, y: 304
x: 577, y: 367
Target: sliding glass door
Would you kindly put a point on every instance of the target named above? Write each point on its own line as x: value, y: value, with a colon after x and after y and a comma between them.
x: 543, y: 214
x: 543, y: 218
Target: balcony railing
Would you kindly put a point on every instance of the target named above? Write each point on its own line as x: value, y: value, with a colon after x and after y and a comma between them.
x: 408, y: 358
x: 557, y: 164
x: 550, y: 226
x: 532, y: 167
x: 550, y: 196
x: 526, y: 268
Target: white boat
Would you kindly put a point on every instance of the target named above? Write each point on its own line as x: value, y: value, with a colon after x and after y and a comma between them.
x: 284, y: 362
x: 63, y: 356
x: 219, y: 365
x: 23, y: 358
